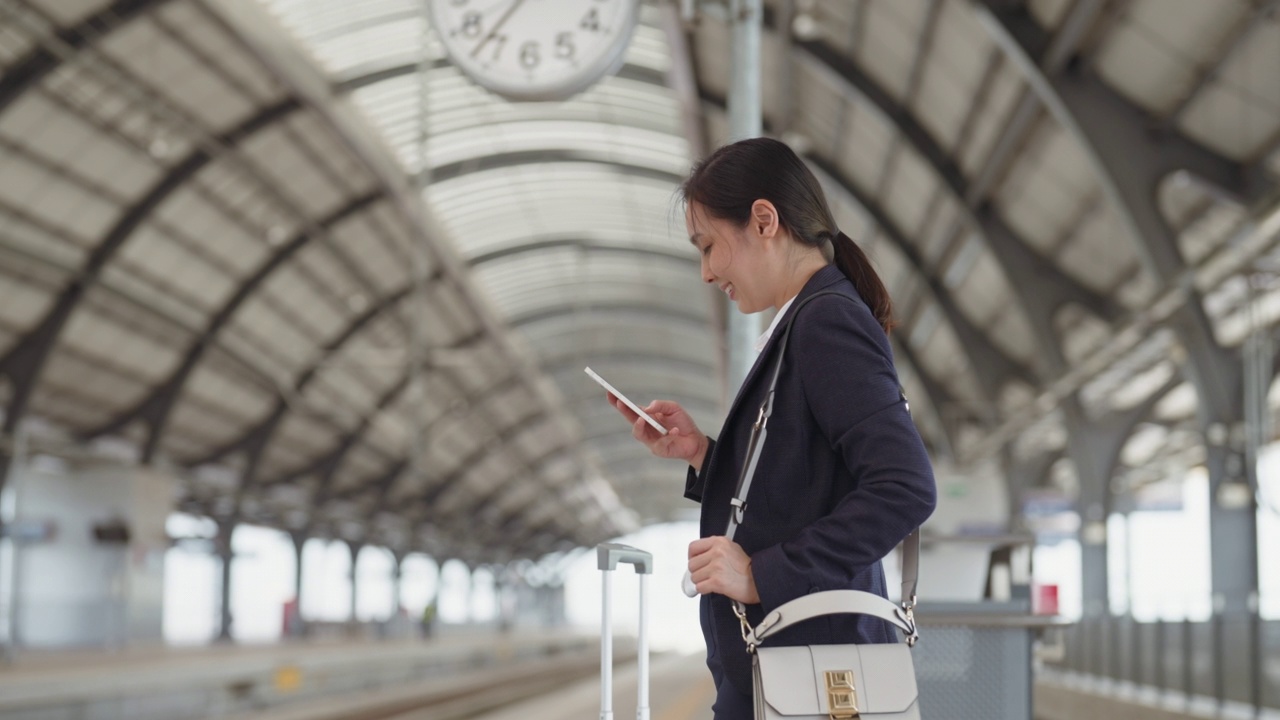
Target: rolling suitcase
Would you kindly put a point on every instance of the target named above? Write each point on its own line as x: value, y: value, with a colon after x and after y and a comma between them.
x: 608, y: 555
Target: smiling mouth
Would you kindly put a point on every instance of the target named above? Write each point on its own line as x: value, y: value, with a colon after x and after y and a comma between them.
x: 728, y: 290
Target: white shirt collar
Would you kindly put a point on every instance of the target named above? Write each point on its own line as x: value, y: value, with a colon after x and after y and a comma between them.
x: 768, y: 333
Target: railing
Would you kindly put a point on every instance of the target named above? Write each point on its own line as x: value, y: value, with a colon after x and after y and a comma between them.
x: 1175, y: 659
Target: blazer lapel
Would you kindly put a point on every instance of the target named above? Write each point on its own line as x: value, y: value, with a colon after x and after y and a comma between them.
x: 825, y: 277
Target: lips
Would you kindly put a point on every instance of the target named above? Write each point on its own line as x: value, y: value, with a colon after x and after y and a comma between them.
x: 728, y: 290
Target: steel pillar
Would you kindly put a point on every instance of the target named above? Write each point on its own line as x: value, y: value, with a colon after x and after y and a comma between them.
x: 354, y: 548
x: 746, y: 120
x: 222, y: 546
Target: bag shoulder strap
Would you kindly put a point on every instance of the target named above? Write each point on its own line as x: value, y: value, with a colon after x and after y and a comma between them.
x: 833, y: 602
x: 910, y: 545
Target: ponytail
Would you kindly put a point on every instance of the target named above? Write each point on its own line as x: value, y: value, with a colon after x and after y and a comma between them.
x: 855, y: 266
x: 733, y: 177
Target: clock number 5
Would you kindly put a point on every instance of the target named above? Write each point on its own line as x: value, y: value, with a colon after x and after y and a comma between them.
x: 529, y: 56
x: 564, y: 46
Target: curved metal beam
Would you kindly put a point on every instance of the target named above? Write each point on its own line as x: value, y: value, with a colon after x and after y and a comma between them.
x: 477, y: 401
x: 1052, y: 286
x: 40, y: 62
x: 1131, y: 162
x: 327, y: 467
x: 25, y: 362
x: 307, y: 375
x: 991, y: 365
x: 156, y: 408
x: 586, y: 246
x: 371, y: 77
x: 518, y: 158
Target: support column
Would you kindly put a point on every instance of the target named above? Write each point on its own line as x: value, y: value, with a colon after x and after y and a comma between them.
x: 1233, y: 533
x: 397, y: 577
x: 354, y: 547
x: 222, y: 546
x: 295, y: 626
x: 745, y: 121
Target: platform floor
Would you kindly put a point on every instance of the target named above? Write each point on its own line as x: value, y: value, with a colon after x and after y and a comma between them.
x: 81, y: 681
x: 680, y: 689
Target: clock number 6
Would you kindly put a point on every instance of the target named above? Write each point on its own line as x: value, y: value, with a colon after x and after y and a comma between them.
x: 564, y: 46
x: 529, y: 56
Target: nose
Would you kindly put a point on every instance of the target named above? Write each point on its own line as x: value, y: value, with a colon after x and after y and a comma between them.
x: 707, y: 277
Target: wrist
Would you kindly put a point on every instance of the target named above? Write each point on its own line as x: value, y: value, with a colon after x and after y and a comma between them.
x: 701, y: 454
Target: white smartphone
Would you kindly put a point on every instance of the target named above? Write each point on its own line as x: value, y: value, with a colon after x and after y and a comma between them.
x: 634, y: 408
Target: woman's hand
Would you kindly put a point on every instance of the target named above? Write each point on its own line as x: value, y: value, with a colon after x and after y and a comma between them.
x: 683, y: 441
x: 719, y: 565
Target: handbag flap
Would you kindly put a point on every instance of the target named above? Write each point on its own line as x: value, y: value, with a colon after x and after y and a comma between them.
x: 788, y: 682
x: 793, y: 679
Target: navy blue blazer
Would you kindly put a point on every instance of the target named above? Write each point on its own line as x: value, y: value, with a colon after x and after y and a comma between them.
x: 843, y: 475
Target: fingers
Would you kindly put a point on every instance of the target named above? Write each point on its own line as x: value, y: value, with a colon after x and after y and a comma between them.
x: 622, y: 408
x: 710, y: 567
x: 666, y: 407
x: 701, y: 545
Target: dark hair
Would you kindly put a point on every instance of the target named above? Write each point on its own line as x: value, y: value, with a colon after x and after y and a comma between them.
x: 733, y: 177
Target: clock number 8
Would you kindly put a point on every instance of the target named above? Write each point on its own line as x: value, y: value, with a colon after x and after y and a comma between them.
x: 529, y: 56
x: 564, y: 46
x: 471, y: 24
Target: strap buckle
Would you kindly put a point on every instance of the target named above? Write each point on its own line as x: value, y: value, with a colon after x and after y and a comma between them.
x: 741, y: 611
x: 908, y: 615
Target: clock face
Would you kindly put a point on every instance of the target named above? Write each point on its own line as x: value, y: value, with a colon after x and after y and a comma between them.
x: 535, y: 49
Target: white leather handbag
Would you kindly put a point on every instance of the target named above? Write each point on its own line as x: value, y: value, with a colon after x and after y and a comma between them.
x: 811, y: 682
x: 876, y: 681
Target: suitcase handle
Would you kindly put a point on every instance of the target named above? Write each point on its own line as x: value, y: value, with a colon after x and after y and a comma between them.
x: 608, y: 556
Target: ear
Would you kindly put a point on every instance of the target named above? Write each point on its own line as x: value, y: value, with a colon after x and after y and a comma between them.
x: 764, y: 219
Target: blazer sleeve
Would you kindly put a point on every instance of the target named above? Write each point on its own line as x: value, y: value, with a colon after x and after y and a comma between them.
x: 851, y: 388
x: 696, y: 480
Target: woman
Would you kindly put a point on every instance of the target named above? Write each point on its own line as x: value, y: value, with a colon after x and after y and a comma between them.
x: 844, y: 476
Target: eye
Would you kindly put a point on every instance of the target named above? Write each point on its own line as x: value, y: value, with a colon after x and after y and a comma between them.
x: 706, y: 249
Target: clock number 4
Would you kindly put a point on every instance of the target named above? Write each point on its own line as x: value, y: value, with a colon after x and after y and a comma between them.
x: 591, y: 21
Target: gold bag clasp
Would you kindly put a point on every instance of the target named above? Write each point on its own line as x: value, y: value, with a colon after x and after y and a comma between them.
x: 842, y: 697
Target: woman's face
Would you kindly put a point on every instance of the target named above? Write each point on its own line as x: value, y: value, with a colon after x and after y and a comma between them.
x: 730, y: 259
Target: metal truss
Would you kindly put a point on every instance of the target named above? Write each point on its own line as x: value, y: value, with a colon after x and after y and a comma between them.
x: 39, y: 63
x: 1131, y: 162
x: 25, y: 362
x: 156, y: 408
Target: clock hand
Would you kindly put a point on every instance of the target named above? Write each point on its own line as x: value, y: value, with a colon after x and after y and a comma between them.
x: 494, y: 31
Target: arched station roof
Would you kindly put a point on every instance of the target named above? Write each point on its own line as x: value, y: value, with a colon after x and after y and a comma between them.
x: 211, y: 214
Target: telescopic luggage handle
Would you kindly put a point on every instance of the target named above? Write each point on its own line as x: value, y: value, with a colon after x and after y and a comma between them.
x: 608, y: 555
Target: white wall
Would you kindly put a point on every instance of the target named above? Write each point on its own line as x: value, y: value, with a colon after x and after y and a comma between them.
x: 977, y: 504
x: 73, y: 590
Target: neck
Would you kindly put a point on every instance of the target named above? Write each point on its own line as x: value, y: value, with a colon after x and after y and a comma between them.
x: 797, y: 276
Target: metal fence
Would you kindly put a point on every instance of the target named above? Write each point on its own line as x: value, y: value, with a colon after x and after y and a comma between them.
x: 973, y: 661
x: 1178, y: 657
